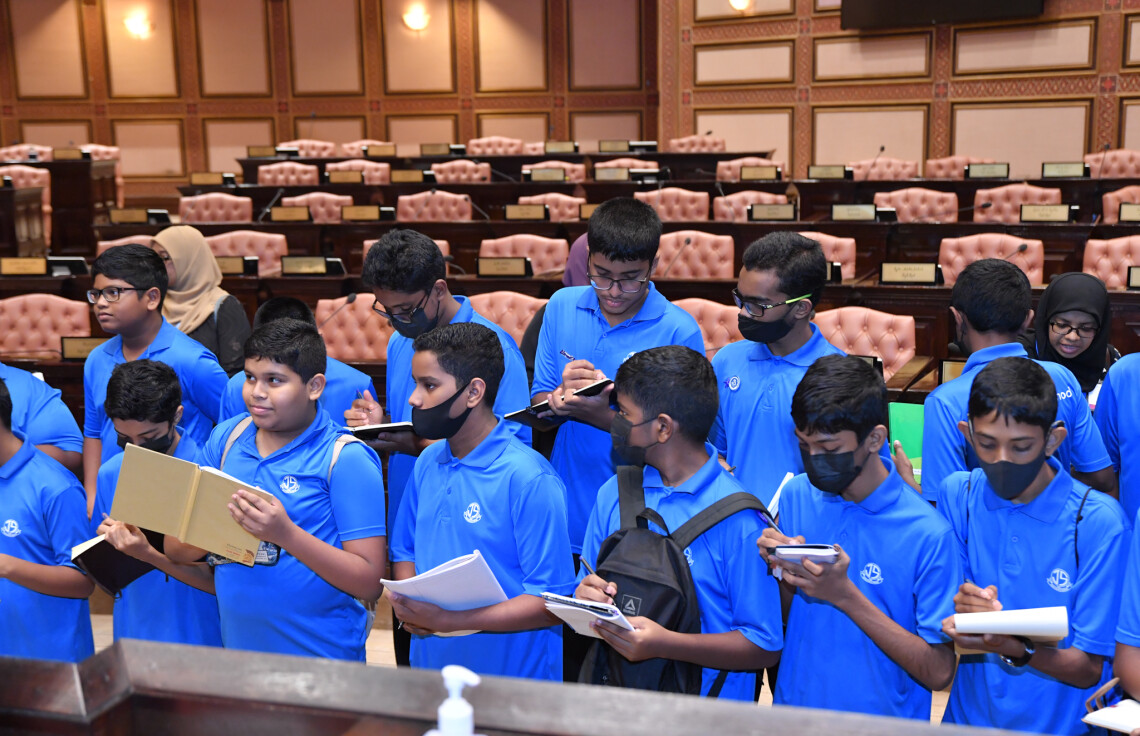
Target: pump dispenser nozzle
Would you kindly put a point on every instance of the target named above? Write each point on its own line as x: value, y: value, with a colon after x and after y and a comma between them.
x: 456, y: 716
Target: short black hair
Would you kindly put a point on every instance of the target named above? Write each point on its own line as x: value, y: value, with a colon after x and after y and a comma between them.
x: 143, y: 390
x: 673, y: 380
x: 136, y: 264
x: 624, y: 230
x: 797, y: 260
x: 994, y: 295
x: 283, y: 307
x: 837, y: 393
x: 291, y: 343
x: 466, y: 350
x: 1017, y: 389
x: 405, y: 261
x: 5, y: 406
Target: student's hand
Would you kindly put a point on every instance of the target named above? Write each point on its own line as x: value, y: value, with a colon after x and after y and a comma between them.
x: 972, y: 599
x: 420, y: 617
x: 593, y: 410
x: 579, y: 374
x: 827, y: 582
x: 646, y: 641
x: 407, y: 443
x: 262, y: 518
x: 770, y: 538
x: 593, y: 588
x: 905, y: 468
x: 996, y: 643
x: 126, y: 538
x: 364, y: 411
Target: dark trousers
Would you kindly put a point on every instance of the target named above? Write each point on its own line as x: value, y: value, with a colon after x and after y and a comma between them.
x: 574, y: 647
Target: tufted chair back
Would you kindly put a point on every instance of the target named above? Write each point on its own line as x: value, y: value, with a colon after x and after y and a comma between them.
x: 103, y: 245
x: 916, y: 204
x: 626, y: 163
x: 563, y: 207
x: 884, y: 168
x: 375, y: 173
x: 311, y: 148
x: 1110, y: 203
x: 697, y: 144
x: 1007, y: 201
x: 31, y: 324
x: 356, y: 148
x: 730, y: 170
x: 268, y: 247
x: 215, y: 207
x: 323, y: 206
x: 674, y: 204
x: 20, y: 151
x: 288, y: 174
x: 356, y: 334
x: 718, y: 322
x: 954, y: 254
x: 26, y: 177
x: 734, y: 207
x: 461, y: 171
x: 837, y: 250
x: 951, y: 167
x: 494, y: 145
x: 691, y: 254
x: 510, y: 310
x: 1109, y: 260
x: 433, y: 206
x: 574, y: 172
x: 1117, y: 164
x: 545, y: 254
x: 534, y: 148
x: 444, y: 248
x: 863, y: 331
x: 109, y: 153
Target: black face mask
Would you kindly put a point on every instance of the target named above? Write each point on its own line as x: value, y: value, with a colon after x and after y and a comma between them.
x: 764, y: 332
x: 156, y: 444
x: 831, y: 473
x: 1008, y: 479
x: 417, y: 324
x: 434, y: 423
x: 619, y: 434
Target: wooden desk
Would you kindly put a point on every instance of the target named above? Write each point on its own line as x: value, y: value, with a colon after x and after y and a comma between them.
x: 22, y: 222
x: 82, y: 195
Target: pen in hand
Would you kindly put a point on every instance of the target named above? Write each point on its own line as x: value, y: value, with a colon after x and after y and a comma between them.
x: 566, y: 355
x: 586, y: 565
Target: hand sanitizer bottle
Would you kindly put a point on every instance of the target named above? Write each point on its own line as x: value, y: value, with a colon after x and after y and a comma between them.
x: 456, y: 716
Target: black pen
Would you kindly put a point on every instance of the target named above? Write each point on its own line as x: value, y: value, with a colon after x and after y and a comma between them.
x: 586, y: 565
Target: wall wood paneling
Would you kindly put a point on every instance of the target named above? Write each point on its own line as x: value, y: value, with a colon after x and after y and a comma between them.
x: 602, y: 54
x: 233, y: 56
x: 1025, y: 134
x: 138, y: 37
x: 511, y: 45
x: 48, y: 49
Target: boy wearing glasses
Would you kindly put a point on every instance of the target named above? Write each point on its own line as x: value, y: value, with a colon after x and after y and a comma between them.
x: 130, y: 283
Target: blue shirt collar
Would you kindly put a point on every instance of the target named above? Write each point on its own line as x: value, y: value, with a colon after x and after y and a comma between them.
x: 466, y: 311
x: 695, y: 484
x: 987, y: 355
x: 485, y: 453
x: 22, y: 457
x: 652, y: 308
x: 879, y: 499
x: 816, y: 347
x: 1047, y: 506
x: 163, y: 340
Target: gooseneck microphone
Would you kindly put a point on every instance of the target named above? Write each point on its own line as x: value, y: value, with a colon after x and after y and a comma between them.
x: 1020, y: 249
x: 265, y: 210
x: 873, y: 162
x: 349, y: 300
x: 686, y: 244
x: 960, y: 210
x: 477, y: 208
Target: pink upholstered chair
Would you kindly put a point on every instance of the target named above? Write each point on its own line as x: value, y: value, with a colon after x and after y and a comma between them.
x: 546, y: 255
x: 697, y: 144
x: 863, y: 331
x: 494, y: 145
x: 508, y: 309
x: 534, y: 148
x: 31, y: 324
x: 267, y: 247
x: 461, y: 171
x: 215, y: 207
x: 288, y: 174
x: 563, y: 207
x: 954, y: 254
x: 718, y: 322
x: 27, y: 177
x: 674, y: 204
x: 730, y: 170
x: 20, y: 151
x: 310, y: 148
x: 444, y: 248
x: 884, y: 168
x: 103, y: 245
x: 916, y: 204
x: 356, y: 148
x: 951, y: 167
x: 1111, y: 201
x: 837, y: 250
x: 691, y: 254
x: 734, y: 207
x: 109, y: 153
x: 433, y: 206
x: 355, y: 334
x: 574, y: 172
x: 1120, y: 163
x: 626, y: 162
x: 1006, y: 201
x: 324, y: 207
x: 375, y: 173
x: 1109, y: 260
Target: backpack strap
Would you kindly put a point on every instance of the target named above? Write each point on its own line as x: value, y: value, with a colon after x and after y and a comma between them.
x: 1077, y: 528
x: 234, y: 434
x: 341, y: 441
x: 714, y: 514
x: 631, y: 494
x: 647, y: 514
x: 718, y: 684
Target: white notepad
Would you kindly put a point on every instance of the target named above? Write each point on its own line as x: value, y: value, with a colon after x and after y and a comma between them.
x: 1123, y: 717
x: 1037, y: 624
x: 457, y: 585
x: 579, y: 614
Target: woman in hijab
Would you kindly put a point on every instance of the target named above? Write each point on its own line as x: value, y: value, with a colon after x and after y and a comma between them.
x: 1072, y: 328
x: 196, y: 303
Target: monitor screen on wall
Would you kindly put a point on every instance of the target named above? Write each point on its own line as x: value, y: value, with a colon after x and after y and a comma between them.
x: 865, y: 14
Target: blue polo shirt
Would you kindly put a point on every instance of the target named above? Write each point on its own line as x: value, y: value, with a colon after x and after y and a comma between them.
x: 202, y: 379
x: 734, y: 589
x: 575, y: 323
x: 754, y: 430
x: 945, y: 450
x: 904, y: 560
x: 38, y: 412
x: 504, y: 500
x: 43, y: 514
x: 1128, y: 627
x: 342, y: 382
x: 157, y: 607
x: 286, y: 608
x: 513, y: 394
x: 1117, y: 416
x: 1027, y: 551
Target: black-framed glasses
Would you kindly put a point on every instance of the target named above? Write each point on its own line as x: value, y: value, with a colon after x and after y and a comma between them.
x: 405, y: 317
x: 626, y: 286
x: 112, y: 293
x: 757, y: 309
x: 1060, y: 329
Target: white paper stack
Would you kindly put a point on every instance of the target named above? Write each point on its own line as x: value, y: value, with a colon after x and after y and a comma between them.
x: 457, y: 585
x: 1123, y: 717
x: 1036, y: 624
x: 579, y: 614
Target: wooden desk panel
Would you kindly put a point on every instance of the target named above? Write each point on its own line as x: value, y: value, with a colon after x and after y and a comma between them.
x: 82, y: 195
x: 22, y: 222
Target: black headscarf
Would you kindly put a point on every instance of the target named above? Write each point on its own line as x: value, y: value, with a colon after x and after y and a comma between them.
x: 1073, y: 291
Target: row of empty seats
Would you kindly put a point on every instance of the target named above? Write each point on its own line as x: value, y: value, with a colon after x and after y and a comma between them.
x: 494, y: 145
x: 23, y: 151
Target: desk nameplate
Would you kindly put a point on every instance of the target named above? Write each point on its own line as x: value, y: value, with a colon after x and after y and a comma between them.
x: 924, y: 274
x: 611, y: 173
x: 23, y: 266
x: 526, y: 212
x: 504, y: 267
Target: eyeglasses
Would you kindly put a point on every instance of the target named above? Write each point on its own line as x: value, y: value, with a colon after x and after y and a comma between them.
x: 1060, y: 329
x: 625, y: 286
x: 403, y: 316
x: 755, y: 308
x: 111, y: 293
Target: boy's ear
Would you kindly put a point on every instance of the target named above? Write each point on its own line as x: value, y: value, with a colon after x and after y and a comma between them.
x: 876, y: 438
x: 803, y: 308
x: 177, y: 415
x: 653, y: 266
x: 153, y: 296
x: 964, y: 428
x: 316, y: 386
x: 666, y: 428
x: 475, y: 392
x: 1025, y: 325
x: 1055, y: 436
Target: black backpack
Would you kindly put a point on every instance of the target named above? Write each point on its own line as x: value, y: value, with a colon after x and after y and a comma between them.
x: 653, y: 580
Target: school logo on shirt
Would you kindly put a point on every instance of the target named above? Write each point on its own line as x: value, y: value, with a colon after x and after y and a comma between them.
x: 733, y: 383
x: 10, y: 528
x: 289, y: 484
x: 871, y: 574
x: 689, y: 556
x: 630, y: 605
x: 1059, y: 581
x: 473, y: 514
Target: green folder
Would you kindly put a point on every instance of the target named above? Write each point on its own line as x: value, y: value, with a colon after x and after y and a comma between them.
x: 906, y: 427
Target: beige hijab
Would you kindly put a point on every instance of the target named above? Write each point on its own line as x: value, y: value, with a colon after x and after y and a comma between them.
x: 196, y: 288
